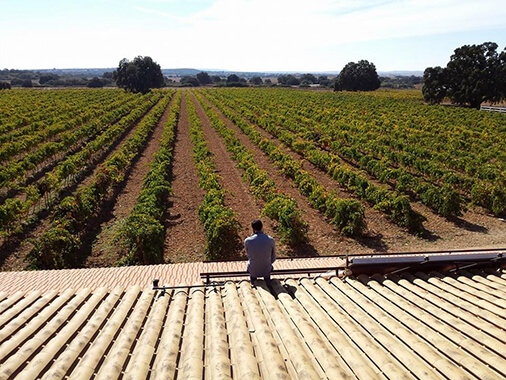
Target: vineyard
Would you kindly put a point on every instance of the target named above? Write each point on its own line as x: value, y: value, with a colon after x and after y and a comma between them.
x: 105, y: 177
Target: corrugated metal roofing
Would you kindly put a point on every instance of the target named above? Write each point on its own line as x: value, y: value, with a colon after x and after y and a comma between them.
x: 410, y: 326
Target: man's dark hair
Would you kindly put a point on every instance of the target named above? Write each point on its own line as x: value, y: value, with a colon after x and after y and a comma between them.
x: 256, y: 225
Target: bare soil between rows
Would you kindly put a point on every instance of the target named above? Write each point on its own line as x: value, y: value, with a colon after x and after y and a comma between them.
x: 185, y: 238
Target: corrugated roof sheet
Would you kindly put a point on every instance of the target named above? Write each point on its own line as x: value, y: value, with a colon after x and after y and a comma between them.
x: 410, y: 326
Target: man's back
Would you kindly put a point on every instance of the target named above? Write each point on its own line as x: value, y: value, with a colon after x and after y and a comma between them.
x: 261, y: 252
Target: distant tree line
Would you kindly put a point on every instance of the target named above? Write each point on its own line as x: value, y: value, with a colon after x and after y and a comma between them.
x: 203, y: 79
x: 474, y: 74
x: 234, y: 80
x: 135, y: 76
x: 29, y: 78
x: 400, y: 82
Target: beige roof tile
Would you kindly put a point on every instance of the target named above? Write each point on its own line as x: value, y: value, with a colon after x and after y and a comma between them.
x: 169, y: 274
x: 409, y: 326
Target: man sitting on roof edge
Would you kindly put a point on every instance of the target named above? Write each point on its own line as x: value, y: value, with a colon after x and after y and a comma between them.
x: 261, y: 252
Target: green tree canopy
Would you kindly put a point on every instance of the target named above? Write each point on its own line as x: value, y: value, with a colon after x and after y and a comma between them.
x: 232, y: 78
x: 361, y: 76
x: 44, y: 78
x: 288, y: 80
x: 309, y: 78
x: 140, y: 75
x: 256, y: 80
x: 204, y: 78
x: 190, y: 81
x: 435, y: 84
x: 502, y: 73
x: 474, y: 74
x: 95, y: 83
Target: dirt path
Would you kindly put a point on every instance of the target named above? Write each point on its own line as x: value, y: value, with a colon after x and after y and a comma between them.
x: 104, y: 252
x: 476, y: 228
x: 185, y: 240
x: 238, y: 196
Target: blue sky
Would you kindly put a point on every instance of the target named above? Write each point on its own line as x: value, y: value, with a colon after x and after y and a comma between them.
x: 244, y: 35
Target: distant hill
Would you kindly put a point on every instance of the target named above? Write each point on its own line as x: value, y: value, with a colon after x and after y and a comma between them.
x: 180, y: 72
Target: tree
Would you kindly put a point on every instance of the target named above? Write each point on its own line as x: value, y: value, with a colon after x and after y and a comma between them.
x: 361, y: 76
x: 5, y: 86
x: 323, y: 80
x: 96, y: 83
x: 309, y: 78
x: 256, y: 81
x: 47, y: 77
x: 189, y: 81
x: 474, y: 74
x: 472, y: 71
x: 232, y: 78
x: 204, y: 78
x: 288, y: 80
x: 435, y: 88
x: 216, y: 78
x: 140, y: 75
x: 502, y: 73
x: 27, y: 83
x: 292, y: 81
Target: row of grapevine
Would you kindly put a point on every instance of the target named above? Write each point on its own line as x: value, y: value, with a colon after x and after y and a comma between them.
x: 383, y: 157
x: 393, y: 204
x: 220, y: 222
x: 20, y: 108
x: 454, y: 148
x: 67, y: 122
x: 59, y: 245
x: 60, y: 111
x: 346, y: 214
x: 445, y: 200
x: 144, y: 231
x: 15, y: 171
x: 279, y: 206
x: 42, y: 194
